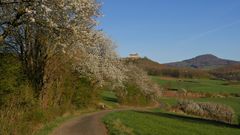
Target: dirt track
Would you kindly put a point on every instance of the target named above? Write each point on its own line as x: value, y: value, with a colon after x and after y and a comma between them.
x: 89, y: 124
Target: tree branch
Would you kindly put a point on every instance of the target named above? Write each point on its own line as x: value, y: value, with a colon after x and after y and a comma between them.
x: 15, y: 2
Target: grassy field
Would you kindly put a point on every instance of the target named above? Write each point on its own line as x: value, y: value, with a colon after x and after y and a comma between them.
x: 198, y: 85
x: 202, y: 85
x: 157, y: 123
x: 109, y: 98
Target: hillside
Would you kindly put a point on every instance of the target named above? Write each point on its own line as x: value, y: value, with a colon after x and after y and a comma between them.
x: 147, y: 64
x: 157, y: 69
x: 207, y: 61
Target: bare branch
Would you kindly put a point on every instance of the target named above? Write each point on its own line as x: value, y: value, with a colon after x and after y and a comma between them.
x: 5, y: 2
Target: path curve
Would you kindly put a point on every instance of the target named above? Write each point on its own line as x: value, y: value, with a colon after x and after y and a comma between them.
x: 89, y: 124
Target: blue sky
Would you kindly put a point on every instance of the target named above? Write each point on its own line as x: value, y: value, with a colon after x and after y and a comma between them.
x: 173, y: 30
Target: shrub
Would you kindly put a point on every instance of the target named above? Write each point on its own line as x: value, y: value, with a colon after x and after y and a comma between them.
x: 84, y: 94
x: 14, y: 112
x: 209, y: 95
x: 22, y: 112
x: 211, y: 111
x: 133, y: 96
x: 10, y: 76
x: 182, y: 90
x: 138, y: 88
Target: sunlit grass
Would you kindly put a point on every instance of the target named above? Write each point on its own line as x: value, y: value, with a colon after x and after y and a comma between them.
x: 157, y: 123
x: 109, y: 98
x: 198, y: 85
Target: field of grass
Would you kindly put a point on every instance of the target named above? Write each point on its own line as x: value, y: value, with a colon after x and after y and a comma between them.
x: 198, y: 85
x: 109, y: 98
x: 157, y: 123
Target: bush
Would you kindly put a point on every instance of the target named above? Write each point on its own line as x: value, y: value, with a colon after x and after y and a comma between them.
x: 133, y: 96
x: 138, y: 88
x: 22, y: 112
x: 10, y: 76
x: 15, y: 112
x: 84, y: 94
x: 207, y: 110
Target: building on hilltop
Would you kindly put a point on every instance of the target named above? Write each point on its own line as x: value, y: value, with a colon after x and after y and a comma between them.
x: 134, y: 56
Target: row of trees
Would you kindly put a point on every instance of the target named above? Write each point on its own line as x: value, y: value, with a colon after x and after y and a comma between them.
x: 230, y: 73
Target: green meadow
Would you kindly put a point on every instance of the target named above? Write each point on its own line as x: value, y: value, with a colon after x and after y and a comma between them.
x: 199, y: 85
x: 109, y: 98
x: 160, y: 121
x: 206, y: 86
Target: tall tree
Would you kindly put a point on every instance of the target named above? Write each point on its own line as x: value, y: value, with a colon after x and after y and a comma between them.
x: 39, y: 30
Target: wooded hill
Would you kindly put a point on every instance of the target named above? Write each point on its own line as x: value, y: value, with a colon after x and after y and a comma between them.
x: 156, y: 69
x: 207, y: 61
x: 231, y: 72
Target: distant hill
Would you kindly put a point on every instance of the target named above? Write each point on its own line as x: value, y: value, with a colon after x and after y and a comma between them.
x: 156, y: 69
x: 207, y: 61
x: 147, y: 64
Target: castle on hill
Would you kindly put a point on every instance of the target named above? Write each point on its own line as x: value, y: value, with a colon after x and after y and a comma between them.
x: 134, y: 56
